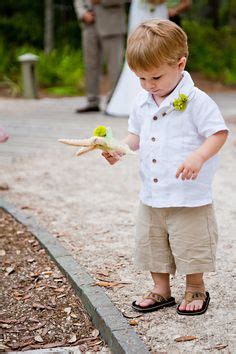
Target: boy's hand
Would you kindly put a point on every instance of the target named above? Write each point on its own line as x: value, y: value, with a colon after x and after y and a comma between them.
x: 191, y: 167
x: 112, y: 157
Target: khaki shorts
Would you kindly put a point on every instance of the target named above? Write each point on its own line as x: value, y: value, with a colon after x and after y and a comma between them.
x: 170, y: 239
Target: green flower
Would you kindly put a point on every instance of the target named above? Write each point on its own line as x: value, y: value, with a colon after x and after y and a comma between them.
x: 180, y: 103
x: 100, y: 131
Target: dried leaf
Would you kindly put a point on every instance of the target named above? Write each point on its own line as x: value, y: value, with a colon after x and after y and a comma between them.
x: 95, y: 344
x: 21, y: 344
x: 5, y: 325
x: 22, y: 319
x: 73, y: 315
x: 220, y: 346
x: 18, y: 294
x: 37, y: 305
x: 103, y: 273
x: 47, y: 272
x: 9, y: 270
x: 37, y: 326
x: 131, y: 314
x: 60, y: 290
x: 72, y: 339
x: 29, y: 287
x: 53, y: 345
x: 33, y: 320
x: 67, y: 310
x: 35, y: 274
x: 58, y: 280
x: 95, y: 333
x: 8, y: 321
x: 4, y: 187
x: 44, y: 331
x: 185, y: 338
x: 110, y: 284
x: 3, y: 346
x: 2, y: 253
x: 133, y: 322
x: 30, y: 260
x: 53, y: 300
x: 38, y: 338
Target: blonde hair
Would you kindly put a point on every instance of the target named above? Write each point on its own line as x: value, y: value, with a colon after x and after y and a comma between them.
x: 154, y: 43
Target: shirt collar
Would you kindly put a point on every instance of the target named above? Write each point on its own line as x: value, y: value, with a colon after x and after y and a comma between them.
x: 185, y: 86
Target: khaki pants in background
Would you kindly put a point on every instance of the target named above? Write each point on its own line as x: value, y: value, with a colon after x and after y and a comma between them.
x: 96, y: 48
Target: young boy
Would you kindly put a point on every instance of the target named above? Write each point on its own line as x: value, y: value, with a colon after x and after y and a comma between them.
x: 178, y: 130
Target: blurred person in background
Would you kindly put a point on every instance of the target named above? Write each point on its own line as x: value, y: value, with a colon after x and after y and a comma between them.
x: 176, y: 8
x: 103, y: 24
x: 128, y: 85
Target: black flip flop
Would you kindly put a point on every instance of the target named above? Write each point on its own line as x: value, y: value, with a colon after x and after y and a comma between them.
x: 196, y: 312
x: 157, y: 306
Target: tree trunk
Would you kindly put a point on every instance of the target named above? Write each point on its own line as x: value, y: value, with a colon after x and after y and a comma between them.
x: 214, y: 12
x: 232, y: 13
x: 48, y: 26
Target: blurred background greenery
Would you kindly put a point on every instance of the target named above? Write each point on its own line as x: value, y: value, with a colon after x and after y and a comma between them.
x: 210, y: 25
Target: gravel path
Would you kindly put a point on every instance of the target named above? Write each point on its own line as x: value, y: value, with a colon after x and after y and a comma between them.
x: 91, y: 207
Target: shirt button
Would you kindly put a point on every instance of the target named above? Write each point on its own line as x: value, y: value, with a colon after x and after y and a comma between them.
x: 155, y: 118
x: 154, y: 160
x: 155, y: 180
x: 153, y: 139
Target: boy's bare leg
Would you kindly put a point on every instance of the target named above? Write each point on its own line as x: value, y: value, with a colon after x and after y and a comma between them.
x: 194, y: 282
x: 161, y: 286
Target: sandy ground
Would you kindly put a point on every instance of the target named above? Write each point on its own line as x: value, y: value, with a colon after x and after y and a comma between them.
x: 91, y: 207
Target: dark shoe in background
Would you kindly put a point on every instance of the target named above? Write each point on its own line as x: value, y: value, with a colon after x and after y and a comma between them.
x: 88, y: 109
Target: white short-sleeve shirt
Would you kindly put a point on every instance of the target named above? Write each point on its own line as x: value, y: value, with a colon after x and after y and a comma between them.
x: 167, y: 137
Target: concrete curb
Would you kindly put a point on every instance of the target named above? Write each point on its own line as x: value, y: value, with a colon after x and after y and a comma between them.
x: 119, y: 336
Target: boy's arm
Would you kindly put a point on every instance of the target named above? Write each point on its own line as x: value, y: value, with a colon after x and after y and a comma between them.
x: 132, y: 140
x: 193, y: 163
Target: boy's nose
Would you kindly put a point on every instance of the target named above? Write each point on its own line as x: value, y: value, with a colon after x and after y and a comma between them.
x: 150, y: 87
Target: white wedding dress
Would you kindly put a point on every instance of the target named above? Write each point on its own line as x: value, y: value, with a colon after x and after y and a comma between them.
x: 128, y: 85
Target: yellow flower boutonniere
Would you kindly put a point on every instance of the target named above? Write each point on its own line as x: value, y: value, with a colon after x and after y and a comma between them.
x: 180, y: 103
x: 101, y: 130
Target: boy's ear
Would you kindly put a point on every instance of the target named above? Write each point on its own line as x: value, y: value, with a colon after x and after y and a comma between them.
x: 182, y: 63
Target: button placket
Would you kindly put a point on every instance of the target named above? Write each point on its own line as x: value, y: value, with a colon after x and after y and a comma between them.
x: 154, y: 149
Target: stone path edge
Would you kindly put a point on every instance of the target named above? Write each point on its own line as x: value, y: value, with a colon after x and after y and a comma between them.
x: 114, y: 329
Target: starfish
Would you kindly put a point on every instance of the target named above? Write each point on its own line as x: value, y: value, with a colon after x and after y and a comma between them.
x: 102, y: 139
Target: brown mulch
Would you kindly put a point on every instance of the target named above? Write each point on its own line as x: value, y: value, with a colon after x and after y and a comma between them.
x: 39, y: 309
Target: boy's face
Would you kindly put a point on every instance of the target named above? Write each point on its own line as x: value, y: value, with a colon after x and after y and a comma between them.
x: 160, y: 82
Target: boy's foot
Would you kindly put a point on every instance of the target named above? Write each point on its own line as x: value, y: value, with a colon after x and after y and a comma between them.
x: 194, y: 303
x: 152, y: 302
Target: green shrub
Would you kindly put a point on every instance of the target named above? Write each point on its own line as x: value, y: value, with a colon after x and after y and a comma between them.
x: 61, y: 67
x: 61, y: 72
x: 212, y: 52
